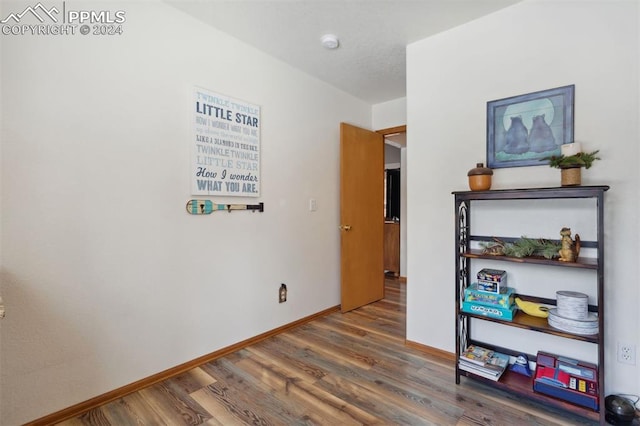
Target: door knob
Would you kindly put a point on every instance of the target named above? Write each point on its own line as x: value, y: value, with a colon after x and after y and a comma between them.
x: 345, y: 227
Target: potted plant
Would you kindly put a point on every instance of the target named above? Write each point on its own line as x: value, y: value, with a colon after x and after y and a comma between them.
x: 570, y: 166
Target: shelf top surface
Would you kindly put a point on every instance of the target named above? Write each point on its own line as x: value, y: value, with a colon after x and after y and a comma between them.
x: 582, y: 262
x: 529, y: 193
x: 521, y: 385
x: 528, y: 322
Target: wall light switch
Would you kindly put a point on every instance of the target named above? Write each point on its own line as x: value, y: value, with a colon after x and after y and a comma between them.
x: 313, y: 206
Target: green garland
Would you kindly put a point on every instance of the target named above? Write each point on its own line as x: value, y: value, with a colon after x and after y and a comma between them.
x: 523, y: 247
x: 581, y: 159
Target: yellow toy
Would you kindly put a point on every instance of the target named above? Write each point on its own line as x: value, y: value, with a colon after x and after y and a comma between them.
x: 533, y: 309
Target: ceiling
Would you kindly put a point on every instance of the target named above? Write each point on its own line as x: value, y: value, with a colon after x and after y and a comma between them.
x: 370, y: 61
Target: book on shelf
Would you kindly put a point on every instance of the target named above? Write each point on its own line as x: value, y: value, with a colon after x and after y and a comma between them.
x: 498, y: 360
x: 489, y: 368
x: 495, y: 363
x: 471, y: 368
x: 476, y: 355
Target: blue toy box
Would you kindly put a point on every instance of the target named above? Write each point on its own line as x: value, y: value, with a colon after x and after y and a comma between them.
x: 503, y: 300
x: 496, y: 311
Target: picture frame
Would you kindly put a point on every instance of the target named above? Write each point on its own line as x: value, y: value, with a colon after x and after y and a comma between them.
x: 523, y: 130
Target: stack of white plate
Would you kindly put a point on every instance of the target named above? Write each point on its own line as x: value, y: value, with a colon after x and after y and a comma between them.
x: 585, y: 327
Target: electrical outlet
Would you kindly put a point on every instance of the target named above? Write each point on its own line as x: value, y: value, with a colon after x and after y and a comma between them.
x: 626, y: 353
x: 282, y: 293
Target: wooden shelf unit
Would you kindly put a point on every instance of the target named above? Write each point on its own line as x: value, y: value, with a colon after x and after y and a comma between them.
x: 512, y: 382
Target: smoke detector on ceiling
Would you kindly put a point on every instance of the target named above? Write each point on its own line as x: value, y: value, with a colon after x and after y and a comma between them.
x: 330, y: 41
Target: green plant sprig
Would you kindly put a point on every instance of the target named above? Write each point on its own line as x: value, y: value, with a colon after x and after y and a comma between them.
x: 581, y: 159
x: 523, y: 247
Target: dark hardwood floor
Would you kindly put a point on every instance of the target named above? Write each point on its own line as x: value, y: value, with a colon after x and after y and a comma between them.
x: 341, y: 369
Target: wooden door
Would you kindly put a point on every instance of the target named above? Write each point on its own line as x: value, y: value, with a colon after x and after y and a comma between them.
x: 361, y: 216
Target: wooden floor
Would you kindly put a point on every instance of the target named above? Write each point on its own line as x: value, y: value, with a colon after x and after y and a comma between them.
x: 342, y: 369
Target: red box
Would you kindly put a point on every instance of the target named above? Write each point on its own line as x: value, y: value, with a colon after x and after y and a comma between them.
x: 567, y: 379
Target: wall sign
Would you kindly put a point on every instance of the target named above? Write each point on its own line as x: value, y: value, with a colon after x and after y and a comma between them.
x: 225, y: 157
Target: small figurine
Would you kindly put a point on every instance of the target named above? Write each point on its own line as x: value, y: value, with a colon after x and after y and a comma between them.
x: 493, y: 248
x: 570, y: 249
x: 521, y: 366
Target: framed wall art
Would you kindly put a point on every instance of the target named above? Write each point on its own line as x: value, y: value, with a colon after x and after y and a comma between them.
x: 522, y: 130
x: 225, y: 146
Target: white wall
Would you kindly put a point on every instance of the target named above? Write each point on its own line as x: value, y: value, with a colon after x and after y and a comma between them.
x: 391, y: 156
x: 106, y: 278
x: 389, y: 114
x: 531, y: 46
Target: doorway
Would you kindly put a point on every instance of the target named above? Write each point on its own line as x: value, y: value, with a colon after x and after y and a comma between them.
x: 395, y: 211
x: 362, y: 215
x: 396, y: 218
